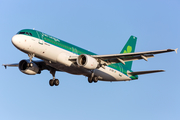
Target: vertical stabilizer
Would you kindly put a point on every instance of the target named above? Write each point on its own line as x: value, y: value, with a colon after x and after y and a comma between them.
x: 129, y: 48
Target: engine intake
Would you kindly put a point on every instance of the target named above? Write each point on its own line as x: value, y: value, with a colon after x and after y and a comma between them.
x: 25, y: 68
x: 87, y: 61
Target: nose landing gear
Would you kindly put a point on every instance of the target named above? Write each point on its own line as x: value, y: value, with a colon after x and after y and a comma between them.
x: 31, y: 55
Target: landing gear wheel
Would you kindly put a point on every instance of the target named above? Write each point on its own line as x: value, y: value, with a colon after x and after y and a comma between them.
x: 30, y: 64
x: 90, y: 80
x: 95, y: 79
x: 51, y: 82
x: 56, y: 82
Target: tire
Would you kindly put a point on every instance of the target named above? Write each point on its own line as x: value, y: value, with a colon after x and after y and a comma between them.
x: 95, y: 79
x: 56, y: 82
x: 90, y: 80
x: 51, y: 82
x: 30, y: 64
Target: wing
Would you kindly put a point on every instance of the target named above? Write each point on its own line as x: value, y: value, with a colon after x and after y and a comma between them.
x: 117, y: 58
x: 40, y: 63
x: 10, y: 65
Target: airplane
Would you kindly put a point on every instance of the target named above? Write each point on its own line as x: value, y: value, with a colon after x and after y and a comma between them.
x: 58, y: 55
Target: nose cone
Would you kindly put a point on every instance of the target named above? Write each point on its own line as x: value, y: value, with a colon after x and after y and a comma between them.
x: 15, y: 40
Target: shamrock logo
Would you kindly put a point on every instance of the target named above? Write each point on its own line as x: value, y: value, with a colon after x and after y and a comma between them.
x: 129, y: 49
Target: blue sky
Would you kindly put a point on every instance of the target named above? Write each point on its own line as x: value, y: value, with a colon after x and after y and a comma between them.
x: 102, y: 27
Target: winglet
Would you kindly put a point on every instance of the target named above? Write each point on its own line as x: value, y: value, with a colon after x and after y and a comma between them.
x: 176, y: 50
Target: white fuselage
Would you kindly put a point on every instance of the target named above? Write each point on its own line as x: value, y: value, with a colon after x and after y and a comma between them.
x: 57, y: 58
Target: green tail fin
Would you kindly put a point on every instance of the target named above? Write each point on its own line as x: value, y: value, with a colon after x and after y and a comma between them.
x: 129, y: 48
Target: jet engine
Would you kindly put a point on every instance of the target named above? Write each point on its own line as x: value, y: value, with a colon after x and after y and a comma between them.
x: 87, y: 62
x: 28, y: 67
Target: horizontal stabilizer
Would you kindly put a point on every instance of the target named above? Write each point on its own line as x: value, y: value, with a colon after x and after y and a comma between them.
x: 145, y: 72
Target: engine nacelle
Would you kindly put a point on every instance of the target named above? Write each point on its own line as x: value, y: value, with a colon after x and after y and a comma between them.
x: 87, y: 62
x: 23, y: 67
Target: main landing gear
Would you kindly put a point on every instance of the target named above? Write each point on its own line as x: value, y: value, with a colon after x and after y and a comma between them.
x: 92, y: 78
x: 53, y: 81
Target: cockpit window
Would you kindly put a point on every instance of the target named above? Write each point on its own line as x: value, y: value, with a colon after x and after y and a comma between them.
x: 27, y: 33
x: 21, y: 32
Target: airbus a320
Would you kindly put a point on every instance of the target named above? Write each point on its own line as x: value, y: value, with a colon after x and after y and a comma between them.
x: 58, y: 55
